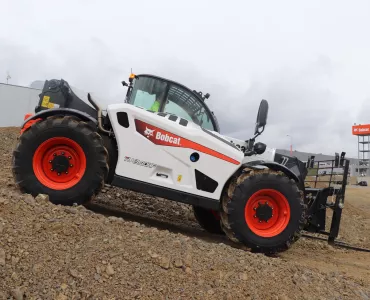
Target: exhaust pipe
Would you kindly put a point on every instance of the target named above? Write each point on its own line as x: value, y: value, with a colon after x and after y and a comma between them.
x: 98, y: 109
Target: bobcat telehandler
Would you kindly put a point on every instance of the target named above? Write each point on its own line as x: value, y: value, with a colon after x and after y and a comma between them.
x: 163, y: 140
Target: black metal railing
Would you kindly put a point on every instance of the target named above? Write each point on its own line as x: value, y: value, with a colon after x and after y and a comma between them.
x: 317, y: 197
x: 331, y: 166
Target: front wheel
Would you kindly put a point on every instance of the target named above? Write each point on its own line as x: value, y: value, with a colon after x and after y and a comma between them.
x: 264, y: 210
x: 208, y: 219
x: 62, y: 157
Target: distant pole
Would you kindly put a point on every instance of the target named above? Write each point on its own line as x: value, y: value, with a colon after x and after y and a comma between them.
x: 7, y: 78
x: 291, y: 145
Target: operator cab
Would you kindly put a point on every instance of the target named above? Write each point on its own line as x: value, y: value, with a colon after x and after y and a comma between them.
x: 162, y: 95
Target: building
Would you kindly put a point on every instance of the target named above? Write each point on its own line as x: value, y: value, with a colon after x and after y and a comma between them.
x: 303, y: 156
x: 16, y: 101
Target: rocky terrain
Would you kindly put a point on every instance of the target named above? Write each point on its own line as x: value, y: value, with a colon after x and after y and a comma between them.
x: 126, y: 245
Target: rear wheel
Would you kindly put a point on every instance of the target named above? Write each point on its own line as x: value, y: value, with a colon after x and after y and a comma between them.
x: 264, y: 210
x: 62, y: 157
x: 208, y: 219
x: 111, y: 147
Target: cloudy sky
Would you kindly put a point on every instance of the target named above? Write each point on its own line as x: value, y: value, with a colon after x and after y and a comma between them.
x: 309, y: 59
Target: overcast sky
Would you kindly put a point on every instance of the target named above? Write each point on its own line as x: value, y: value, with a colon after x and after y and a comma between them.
x: 309, y: 59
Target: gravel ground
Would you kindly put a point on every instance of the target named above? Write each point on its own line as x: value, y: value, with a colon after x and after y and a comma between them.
x: 130, y: 246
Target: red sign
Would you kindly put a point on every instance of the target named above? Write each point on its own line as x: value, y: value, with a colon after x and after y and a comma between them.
x: 162, y: 137
x: 361, y: 129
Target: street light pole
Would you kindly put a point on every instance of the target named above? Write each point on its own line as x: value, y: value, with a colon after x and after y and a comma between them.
x: 291, y: 145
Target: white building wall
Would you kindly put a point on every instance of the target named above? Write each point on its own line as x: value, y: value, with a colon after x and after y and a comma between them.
x: 15, y: 102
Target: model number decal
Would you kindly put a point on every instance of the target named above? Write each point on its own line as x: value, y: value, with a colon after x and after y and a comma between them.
x: 284, y: 160
x: 139, y: 162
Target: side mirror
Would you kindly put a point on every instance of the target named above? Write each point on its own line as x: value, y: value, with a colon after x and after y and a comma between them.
x: 262, y: 116
x: 124, y: 83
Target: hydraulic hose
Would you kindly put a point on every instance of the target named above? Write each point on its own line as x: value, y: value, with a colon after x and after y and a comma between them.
x: 100, y: 125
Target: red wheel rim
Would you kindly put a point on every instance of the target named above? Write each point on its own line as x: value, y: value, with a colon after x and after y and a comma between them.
x: 59, y: 163
x: 278, y: 209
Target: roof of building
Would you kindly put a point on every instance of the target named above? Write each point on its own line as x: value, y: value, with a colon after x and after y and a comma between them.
x: 303, y: 156
x: 21, y: 86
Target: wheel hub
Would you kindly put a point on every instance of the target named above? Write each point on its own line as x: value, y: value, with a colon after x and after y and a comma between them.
x: 264, y: 212
x: 267, y: 212
x: 60, y: 164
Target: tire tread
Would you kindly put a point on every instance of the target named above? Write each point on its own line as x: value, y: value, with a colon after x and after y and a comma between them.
x: 22, y: 180
x: 249, y: 177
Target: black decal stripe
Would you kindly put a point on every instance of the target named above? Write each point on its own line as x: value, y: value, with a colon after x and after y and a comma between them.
x: 172, y: 118
x: 204, y: 182
x: 122, y: 119
x: 183, y: 122
x: 167, y: 193
x: 220, y: 139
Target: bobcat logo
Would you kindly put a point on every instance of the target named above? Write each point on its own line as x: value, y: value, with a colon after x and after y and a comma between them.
x: 148, y: 132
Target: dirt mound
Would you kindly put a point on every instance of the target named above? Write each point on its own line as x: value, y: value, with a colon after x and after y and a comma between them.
x: 149, y: 248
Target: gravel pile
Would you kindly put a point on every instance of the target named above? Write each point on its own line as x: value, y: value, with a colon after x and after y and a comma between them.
x: 146, y: 248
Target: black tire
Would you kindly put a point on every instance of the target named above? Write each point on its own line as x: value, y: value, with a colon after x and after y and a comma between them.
x: 81, y: 133
x: 111, y: 146
x: 207, y: 220
x: 234, y: 203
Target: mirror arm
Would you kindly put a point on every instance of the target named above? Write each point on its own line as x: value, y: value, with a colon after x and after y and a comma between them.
x: 261, y: 119
x: 250, y: 151
x: 259, y: 132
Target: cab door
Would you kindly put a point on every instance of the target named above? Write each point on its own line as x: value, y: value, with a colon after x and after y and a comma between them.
x: 148, y: 93
x: 183, y: 103
x: 161, y: 95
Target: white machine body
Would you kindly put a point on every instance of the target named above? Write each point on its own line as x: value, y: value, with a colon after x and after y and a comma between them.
x: 171, y: 152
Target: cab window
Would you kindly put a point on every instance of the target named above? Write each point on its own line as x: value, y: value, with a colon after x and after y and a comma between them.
x: 148, y: 93
x: 184, y: 104
x: 172, y: 108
